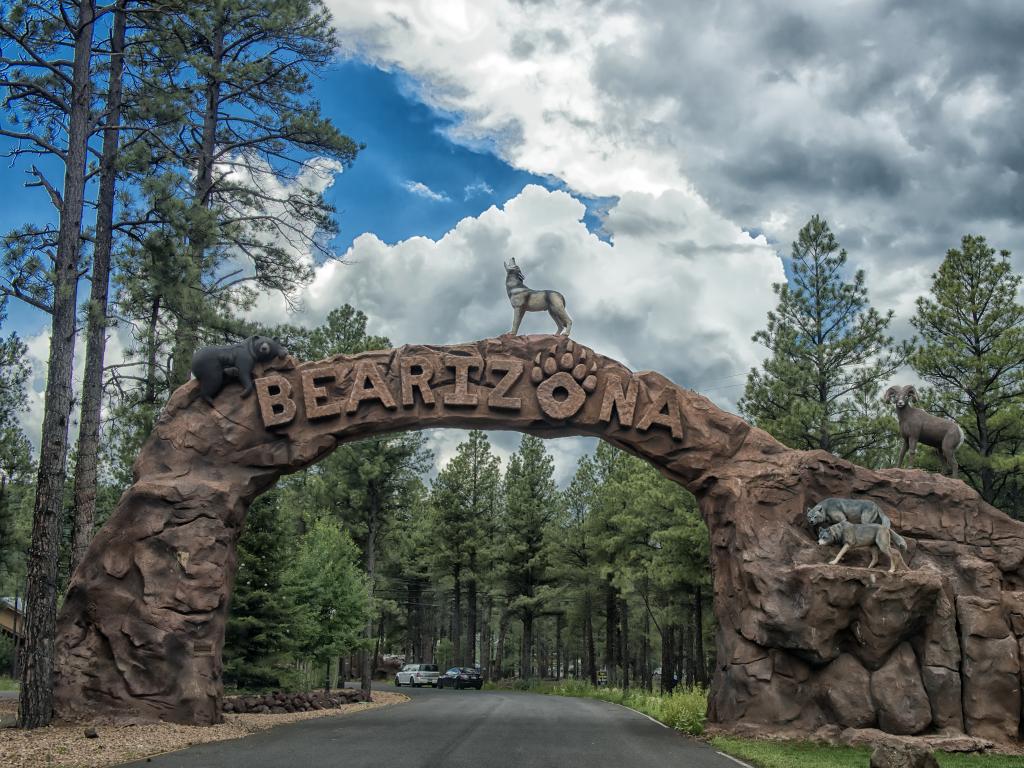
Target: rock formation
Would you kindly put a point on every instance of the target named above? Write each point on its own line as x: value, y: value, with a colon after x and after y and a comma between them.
x: 800, y: 644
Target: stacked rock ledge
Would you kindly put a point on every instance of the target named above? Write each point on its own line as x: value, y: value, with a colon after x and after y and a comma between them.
x: 280, y: 702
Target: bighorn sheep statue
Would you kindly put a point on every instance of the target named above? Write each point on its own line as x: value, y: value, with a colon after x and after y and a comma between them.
x: 944, y: 435
x: 528, y: 300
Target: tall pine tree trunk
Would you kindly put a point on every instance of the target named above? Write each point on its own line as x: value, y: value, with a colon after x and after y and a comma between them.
x: 485, y: 639
x: 366, y: 670
x: 624, y: 613
x: 588, y: 638
x: 456, y: 627
x: 414, y: 596
x: 558, y: 646
x: 499, y: 652
x: 645, y: 651
x: 96, y: 336
x: 611, y: 622
x: 471, y: 618
x: 526, y: 657
x: 668, y: 662
x: 36, y: 696
x: 701, y: 675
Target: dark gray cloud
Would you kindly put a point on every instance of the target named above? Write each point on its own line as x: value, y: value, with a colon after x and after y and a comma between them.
x: 899, y: 122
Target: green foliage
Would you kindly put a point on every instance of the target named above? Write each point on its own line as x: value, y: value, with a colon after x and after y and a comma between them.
x: 343, y: 332
x: 262, y: 630
x: 16, y: 463
x: 327, y: 592
x: 444, y: 654
x: 227, y: 162
x: 532, y: 503
x: 6, y: 658
x: 465, y: 501
x: 830, y: 353
x: 972, y: 355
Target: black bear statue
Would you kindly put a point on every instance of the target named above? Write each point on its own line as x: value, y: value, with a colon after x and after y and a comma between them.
x: 210, y: 365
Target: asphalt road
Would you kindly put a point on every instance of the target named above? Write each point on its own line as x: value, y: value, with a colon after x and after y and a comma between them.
x: 457, y: 729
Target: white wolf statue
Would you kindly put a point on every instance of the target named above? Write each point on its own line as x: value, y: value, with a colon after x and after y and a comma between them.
x: 528, y: 300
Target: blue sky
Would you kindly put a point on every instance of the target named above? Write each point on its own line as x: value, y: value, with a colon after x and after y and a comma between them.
x: 405, y: 142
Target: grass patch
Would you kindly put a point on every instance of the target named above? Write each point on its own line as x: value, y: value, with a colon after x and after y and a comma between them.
x: 684, y: 709
x: 804, y: 754
x: 8, y: 684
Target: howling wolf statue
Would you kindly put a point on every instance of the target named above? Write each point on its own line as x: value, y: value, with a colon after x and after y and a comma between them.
x: 528, y: 300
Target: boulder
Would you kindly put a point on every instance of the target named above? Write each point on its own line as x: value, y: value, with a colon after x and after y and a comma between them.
x: 846, y: 688
x: 902, y: 757
x: 945, y: 697
x: 991, y: 670
x: 899, y: 694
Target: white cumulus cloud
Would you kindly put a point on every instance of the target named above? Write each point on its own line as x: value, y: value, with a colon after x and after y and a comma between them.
x: 677, y: 289
x: 422, y: 190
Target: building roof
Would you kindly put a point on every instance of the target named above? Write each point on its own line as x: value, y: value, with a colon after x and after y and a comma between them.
x: 14, y: 603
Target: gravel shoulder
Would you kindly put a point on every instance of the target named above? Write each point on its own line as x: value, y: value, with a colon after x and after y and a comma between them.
x: 66, y: 746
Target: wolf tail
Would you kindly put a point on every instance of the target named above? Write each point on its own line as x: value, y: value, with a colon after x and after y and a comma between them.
x: 898, y: 540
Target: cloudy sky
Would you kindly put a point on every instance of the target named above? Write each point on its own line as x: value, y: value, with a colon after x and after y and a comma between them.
x: 653, y: 160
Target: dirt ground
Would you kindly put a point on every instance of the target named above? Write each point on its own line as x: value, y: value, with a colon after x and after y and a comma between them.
x: 66, y: 746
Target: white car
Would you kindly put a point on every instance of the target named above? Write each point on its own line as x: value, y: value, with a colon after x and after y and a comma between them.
x: 417, y: 675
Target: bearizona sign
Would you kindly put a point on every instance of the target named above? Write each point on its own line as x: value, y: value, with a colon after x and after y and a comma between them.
x: 800, y: 643
x: 564, y: 377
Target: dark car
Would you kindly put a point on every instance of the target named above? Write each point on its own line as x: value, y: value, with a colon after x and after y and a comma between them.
x: 461, y: 677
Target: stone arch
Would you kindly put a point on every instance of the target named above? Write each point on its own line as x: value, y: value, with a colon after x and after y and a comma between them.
x: 800, y: 644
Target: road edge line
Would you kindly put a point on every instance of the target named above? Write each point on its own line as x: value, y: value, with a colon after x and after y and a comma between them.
x: 738, y: 762
x: 642, y: 714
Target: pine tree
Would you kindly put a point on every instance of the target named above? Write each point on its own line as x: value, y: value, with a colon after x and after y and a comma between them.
x: 575, y: 558
x: 972, y: 354
x: 16, y: 463
x: 531, y: 504
x: 97, y: 321
x: 45, y: 75
x: 237, y: 74
x: 654, y: 544
x: 830, y: 354
x: 367, y: 484
x: 342, y: 332
x: 465, y: 502
x: 329, y: 594
x: 259, y: 634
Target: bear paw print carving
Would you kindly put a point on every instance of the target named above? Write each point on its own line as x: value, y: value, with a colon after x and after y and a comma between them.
x: 565, y: 376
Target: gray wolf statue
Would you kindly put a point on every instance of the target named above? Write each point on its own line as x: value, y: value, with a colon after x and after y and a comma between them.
x: 210, y: 365
x: 528, y: 300
x: 942, y: 434
x: 856, y: 511
x: 857, y: 535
